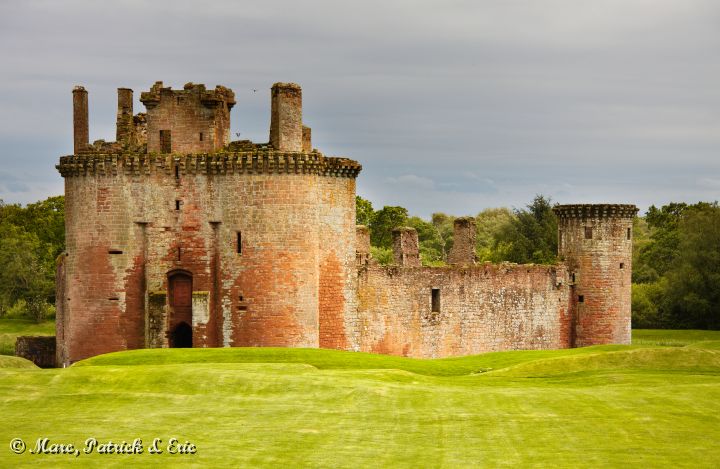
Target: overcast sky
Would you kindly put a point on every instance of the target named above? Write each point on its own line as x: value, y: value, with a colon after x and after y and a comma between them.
x: 450, y: 106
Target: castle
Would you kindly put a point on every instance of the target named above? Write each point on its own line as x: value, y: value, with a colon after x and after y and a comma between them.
x: 178, y: 237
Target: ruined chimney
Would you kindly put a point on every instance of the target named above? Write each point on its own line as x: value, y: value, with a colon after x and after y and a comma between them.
x: 306, y: 139
x: 125, y: 125
x: 405, y: 247
x: 81, y: 129
x: 286, y: 129
x: 463, y: 249
x: 362, y: 244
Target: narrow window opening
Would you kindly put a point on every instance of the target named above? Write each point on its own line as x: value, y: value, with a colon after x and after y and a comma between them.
x: 177, y: 171
x: 242, y: 308
x: 179, y: 253
x: 581, y: 299
x: 177, y: 204
x: 165, y: 142
x: 178, y: 99
x: 588, y: 232
x: 201, y: 136
x: 628, y: 233
x: 115, y: 251
x: 622, y: 265
x: 435, y: 300
x: 239, y: 243
x: 573, y: 277
x: 114, y: 298
x: 241, y: 298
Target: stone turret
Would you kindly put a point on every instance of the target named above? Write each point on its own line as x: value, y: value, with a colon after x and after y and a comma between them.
x: 191, y: 120
x: 596, y: 243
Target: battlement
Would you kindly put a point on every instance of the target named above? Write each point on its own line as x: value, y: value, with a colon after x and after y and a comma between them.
x: 260, y: 161
x: 595, y: 211
x: 208, y: 98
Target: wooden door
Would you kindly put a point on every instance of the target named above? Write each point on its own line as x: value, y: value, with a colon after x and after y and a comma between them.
x: 180, y: 302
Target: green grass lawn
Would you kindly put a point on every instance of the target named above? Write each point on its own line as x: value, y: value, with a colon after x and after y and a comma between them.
x: 646, y: 405
x: 10, y: 329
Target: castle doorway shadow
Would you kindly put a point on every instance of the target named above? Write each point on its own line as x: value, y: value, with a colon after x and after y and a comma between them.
x: 181, y: 336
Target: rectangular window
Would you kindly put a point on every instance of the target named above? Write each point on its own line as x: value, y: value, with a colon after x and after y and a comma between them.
x: 581, y: 299
x: 115, y: 251
x: 239, y: 243
x: 201, y: 136
x: 622, y: 265
x: 628, y: 233
x: 177, y: 171
x: 435, y: 300
x: 179, y: 253
x: 588, y: 232
x: 177, y: 204
x: 165, y: 142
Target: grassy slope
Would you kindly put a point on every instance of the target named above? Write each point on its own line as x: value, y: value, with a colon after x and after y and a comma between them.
x: 598, y: 406
x: 10, y: 329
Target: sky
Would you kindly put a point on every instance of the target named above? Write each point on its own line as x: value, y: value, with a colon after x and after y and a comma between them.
x: 451, y: 106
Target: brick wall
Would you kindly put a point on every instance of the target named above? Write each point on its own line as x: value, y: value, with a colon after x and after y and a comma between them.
x: 132, y: 220
x: 596, y: 242
x: 482, y: 308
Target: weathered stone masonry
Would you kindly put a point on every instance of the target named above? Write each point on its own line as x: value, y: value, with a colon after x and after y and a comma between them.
x: 178, y: 237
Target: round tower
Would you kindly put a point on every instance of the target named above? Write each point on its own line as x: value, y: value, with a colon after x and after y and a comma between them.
x: 595, y: 242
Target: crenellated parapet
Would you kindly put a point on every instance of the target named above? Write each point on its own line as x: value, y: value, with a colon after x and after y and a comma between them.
x: 596, y: 211
x: 251, y: 162
x: 209, y: 98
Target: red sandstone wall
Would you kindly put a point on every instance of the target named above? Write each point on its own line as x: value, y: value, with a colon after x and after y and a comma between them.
x: 604, y: 315
x: 483, y: 308
x: 297, y: 228
x: 337, y: 274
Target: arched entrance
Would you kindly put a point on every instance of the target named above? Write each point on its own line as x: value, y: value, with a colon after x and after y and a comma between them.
x: 180, y: 327
x: 181, y: 336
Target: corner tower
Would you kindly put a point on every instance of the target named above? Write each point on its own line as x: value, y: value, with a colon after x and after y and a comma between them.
x: 596, y: 243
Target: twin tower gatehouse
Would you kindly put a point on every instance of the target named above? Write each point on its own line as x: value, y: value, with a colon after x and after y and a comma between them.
x: 178, y: 237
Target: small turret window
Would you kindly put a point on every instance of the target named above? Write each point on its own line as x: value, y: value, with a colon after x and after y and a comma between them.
x: 628, y: 233
x: 581, y: 299
x: 239, y: 243
x: 588, y: 232
x: 201, y: 136
x: 622, y: 265
x: 435, y: 300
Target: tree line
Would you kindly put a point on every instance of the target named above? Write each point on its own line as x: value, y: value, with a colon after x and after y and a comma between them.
x: 31, y: 239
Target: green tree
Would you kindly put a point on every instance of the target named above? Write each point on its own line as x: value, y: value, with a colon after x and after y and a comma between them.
x: 25, y: 274
x: 383, y: 222
x: 431, y: 243
x: 531, y: 236
x: 363, y: 211
x: 694, y: 273
x: 490, y: 224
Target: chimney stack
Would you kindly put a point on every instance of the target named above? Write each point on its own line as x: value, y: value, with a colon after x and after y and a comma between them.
x: 286, y: 129
x: 406, y: 249
x: 463, y: 249
x: 81, y: 130
x: 125, y: 125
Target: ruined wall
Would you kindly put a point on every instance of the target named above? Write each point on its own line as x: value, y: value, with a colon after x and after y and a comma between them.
x: 132, y: 220
x: 198, y: 119
x: 596, y: 243
x: 480, y: 309
x: 38, y: 349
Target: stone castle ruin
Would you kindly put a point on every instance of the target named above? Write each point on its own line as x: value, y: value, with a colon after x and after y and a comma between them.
x: 178, y: 237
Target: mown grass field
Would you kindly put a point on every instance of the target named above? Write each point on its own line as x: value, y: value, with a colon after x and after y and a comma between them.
x: 654, y: 404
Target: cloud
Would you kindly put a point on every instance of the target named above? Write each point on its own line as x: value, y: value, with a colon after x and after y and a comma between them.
x: 465, y: 103
x: 411, y: 181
